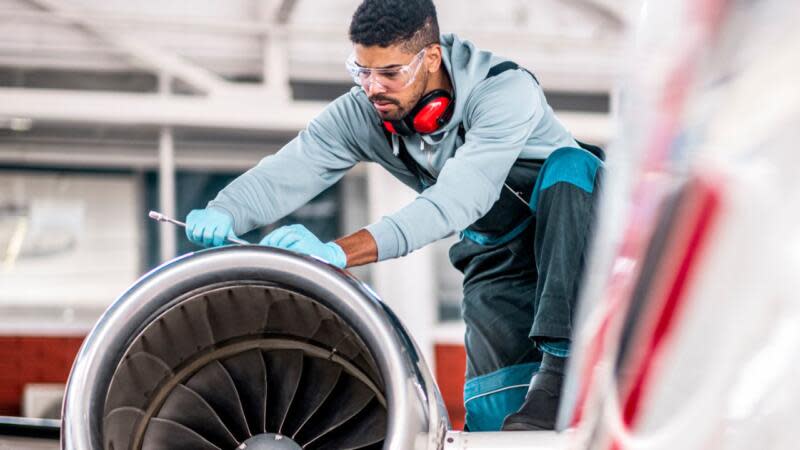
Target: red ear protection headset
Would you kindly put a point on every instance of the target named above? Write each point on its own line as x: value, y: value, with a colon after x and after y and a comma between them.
x: 429, y: 114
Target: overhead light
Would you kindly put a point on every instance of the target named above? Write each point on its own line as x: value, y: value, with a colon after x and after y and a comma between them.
x: 16, y: 123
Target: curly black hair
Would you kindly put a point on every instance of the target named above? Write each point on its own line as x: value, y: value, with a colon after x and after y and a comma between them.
x: 411, y: 23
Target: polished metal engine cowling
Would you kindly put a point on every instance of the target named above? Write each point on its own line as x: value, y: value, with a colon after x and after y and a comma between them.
x: 250, y: 347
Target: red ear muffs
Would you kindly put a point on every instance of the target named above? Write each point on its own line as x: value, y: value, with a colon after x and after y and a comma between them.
x: 430, y: 113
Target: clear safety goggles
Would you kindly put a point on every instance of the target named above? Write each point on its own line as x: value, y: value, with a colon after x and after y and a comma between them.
x: 392, y: 79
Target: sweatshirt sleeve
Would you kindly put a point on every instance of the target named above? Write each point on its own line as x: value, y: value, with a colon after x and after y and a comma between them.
x: 500, y: 115
x: 314, y: 160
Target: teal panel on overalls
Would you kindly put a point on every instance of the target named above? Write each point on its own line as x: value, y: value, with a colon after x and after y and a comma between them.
x: 484, y: 239
x: 575, y: 166
x: 488, y: 399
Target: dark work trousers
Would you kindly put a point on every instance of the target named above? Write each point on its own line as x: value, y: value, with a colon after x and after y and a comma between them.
x: 522, y: 264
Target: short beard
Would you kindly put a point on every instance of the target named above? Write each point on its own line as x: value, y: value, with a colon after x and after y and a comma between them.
x: 400, y: 112
x: 403, y: 110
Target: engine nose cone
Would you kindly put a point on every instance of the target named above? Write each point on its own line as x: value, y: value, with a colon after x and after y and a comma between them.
x: 269, y: 441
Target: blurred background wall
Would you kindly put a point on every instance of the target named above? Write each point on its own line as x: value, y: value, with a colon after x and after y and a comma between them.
x: 111, y: 108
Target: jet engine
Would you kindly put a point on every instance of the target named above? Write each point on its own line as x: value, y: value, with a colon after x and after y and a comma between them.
x: 247, y: 347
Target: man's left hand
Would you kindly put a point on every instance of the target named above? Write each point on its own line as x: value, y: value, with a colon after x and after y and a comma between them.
x: 298, y: 239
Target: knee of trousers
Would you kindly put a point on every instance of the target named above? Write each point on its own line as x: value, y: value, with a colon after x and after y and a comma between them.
x: 489, y: 398
x: 575, y: 166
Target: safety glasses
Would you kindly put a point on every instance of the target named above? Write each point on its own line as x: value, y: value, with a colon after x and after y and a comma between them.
x: 391, y: 79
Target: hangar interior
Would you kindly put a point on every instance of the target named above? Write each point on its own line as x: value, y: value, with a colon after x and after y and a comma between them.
x: 111, y: 108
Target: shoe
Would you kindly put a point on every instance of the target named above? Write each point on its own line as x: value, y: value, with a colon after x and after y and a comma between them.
x: 540, y: 409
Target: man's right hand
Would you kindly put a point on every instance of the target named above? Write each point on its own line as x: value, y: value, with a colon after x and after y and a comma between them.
x: 209, y: 227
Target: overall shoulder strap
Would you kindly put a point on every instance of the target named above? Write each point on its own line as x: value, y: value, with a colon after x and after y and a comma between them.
x: 497, y: 69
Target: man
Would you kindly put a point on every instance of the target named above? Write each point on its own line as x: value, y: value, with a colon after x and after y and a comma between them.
x: 474, y: 135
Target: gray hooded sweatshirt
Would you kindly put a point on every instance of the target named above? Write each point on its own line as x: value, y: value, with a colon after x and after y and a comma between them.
x: 506, y: 117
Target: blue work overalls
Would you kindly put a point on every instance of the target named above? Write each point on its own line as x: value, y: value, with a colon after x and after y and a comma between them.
x: 522, y: 264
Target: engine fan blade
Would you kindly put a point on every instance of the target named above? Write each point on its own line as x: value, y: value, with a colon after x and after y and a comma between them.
x: 176, y: 336
x: 352, y: 350
x: 293, y: 315
x: 136, y: 377
x: 329, y: 332
x: 188, y: 408
x: 365, y: 429
x: 250, y: 376
x: 316, y: 384
x: 284, y: 370
x: 216, y: 386
x: 165, y: 434
x: 119, y: 426
x: 237, y: 312
x: 349, y: 397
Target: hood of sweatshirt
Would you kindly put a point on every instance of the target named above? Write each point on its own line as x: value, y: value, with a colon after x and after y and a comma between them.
x: 467, y: 66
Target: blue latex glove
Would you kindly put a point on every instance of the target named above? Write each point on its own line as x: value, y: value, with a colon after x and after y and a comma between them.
x: 209, y: 227
x: 298, y: 239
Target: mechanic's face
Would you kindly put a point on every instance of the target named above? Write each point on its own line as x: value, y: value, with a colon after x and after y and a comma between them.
x: 393, y: 102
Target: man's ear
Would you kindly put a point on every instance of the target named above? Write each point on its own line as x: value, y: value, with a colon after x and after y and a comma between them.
x: 434, y: 57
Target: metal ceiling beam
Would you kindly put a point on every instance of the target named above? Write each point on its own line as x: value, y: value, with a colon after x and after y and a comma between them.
x: 187, y: 157
x: 154, y: 58
x: 252, y: 110
x: 126, y: 20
